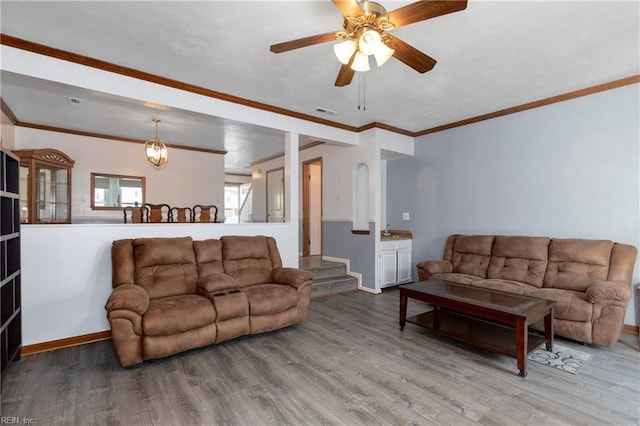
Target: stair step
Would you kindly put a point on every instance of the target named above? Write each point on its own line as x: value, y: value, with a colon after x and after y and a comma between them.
x: 322, y: 268
x: 328, y: 271
x: 324, y: 286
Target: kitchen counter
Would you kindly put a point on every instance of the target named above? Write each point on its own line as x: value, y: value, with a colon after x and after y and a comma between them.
x: 397, y: 234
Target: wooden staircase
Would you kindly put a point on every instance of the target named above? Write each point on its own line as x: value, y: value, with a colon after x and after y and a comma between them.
x: 328, y: 277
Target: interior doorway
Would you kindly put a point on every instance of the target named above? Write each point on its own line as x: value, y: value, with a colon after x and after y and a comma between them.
x: 312, y: 207
x: 275, y: 195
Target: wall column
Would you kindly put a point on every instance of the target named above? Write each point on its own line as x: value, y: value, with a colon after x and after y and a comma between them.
x: 292, y: 183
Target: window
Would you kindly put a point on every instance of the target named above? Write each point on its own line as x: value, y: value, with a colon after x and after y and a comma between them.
x: 231, y: 202
x: 110, y: 192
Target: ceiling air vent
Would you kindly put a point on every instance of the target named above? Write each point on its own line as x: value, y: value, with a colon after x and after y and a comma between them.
x: 326, y: 111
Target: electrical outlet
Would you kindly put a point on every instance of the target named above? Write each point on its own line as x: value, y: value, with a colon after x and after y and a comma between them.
x: 405, y: 216
x: 73, y: 101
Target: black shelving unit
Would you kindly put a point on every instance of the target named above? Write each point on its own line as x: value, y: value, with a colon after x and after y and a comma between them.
x: 10, y: 312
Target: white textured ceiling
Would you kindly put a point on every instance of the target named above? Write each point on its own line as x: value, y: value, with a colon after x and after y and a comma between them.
x: 491, y: 56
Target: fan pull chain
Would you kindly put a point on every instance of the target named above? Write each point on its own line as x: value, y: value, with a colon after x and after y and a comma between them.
x: 362, y: 93
x: 359, y: 91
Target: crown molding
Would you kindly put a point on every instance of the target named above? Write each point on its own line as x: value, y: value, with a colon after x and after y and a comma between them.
x: 64, y: 55
x: 111, y: 137
x: 42, y: 49
x: 377, y: 125
x: 535, y: 104
x: 273, y: 157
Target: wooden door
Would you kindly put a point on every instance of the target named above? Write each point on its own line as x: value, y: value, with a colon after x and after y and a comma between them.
x: 312, y: 207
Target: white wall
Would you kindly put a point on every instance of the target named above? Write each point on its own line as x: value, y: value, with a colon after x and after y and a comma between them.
x: 190, y: 177
x: 567, y: 170
x: 338, y: 164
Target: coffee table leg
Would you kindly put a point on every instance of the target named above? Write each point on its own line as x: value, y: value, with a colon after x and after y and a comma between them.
x: 548, y: 329
x: 403, y: 309
x: 522, y: 336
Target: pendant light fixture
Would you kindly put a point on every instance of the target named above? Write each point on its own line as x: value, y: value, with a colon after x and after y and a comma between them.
x: 156, y: 150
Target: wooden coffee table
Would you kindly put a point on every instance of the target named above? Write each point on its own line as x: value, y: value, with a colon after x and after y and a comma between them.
x: 492, y: 320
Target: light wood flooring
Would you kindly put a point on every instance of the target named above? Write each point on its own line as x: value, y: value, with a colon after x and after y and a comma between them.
x: 347, y: 364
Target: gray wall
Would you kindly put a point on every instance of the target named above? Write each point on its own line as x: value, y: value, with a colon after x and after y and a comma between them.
x: 338, y: 241
x: 571, y: 169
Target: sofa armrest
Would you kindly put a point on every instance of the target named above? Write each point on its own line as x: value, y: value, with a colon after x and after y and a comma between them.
x: 602, y: 291
x: 130, y: 297
x: 430, y: 267
x: 214, y: 283
x: 293, y: 277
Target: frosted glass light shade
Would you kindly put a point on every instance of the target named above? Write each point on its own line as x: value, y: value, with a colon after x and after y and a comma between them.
x: 383, y: 53
x: 156, y: 152
x: 369, y: 42
x: 360, y: 63
x: 344, y: 50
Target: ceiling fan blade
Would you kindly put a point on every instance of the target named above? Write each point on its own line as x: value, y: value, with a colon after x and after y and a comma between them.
x: 411, y: 56
x: 345, y: 75
x: 425, y: 9
x: 303, y: 42
x: 348, y: 7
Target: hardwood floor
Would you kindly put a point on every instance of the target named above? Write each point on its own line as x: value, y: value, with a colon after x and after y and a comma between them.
x: 347, y: 364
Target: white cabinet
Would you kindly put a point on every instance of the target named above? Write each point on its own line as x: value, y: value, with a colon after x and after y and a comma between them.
x: 404, y: 263
x: 388, y: 266
x: 395, y: 262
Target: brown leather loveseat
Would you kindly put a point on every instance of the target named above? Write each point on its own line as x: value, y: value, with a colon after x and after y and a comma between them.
x: 174, y: 294
x: 590, y: 280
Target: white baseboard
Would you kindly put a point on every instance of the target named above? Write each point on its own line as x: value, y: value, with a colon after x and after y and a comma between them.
x: 356, y: 275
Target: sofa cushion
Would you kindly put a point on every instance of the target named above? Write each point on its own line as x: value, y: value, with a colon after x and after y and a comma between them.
x: 455, y: 278
x: 165, y: 266
x: 508, y: 286
x: 471, y: 254
x: 521, y: 259
x: 570, y: 305
x: 574, y: 264
x: 265, y: 299
x: 262, y: 323
x: 155, y: 347
x: 247, y: 259
x: 230, y: 304
x: 177, y: 314
x: 208, y: 257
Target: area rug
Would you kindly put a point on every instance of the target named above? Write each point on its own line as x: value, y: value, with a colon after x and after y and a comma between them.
x: 561, y: 358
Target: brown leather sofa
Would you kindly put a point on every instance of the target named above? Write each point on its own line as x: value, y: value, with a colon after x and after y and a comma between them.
x: 590, y: 280
x: 174, y: 294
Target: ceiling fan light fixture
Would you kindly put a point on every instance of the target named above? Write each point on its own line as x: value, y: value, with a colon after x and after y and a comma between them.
x: 360, y: 63
x: 156, y: 150
x: 344, y: 50
x: 369, y: 42
x: 382, y: 54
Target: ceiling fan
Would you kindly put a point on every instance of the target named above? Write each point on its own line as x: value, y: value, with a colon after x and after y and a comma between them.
x: 365, y: 34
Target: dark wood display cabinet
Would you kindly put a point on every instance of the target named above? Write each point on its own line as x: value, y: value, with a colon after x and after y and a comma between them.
x: 10, y: 312
x: 45, y: 187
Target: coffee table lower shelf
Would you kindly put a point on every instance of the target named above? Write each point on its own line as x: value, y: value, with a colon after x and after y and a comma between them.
x: 483, y: 334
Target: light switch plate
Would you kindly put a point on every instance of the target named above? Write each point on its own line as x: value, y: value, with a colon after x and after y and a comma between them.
x: 405, y: 216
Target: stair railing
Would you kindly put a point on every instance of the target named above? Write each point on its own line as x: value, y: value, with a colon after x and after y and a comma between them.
x: 244, y: 202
